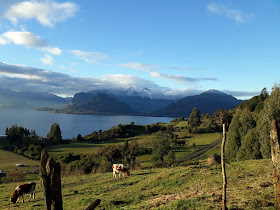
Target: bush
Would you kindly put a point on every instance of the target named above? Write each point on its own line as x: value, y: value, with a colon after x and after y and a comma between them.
x: 15, y: 176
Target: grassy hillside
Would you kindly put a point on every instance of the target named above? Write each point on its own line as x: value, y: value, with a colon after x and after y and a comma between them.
x: 9, y: 159
x: 194, y: 142
x: 191, y: 187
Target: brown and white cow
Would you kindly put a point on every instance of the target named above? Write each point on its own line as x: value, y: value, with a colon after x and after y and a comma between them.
x: 21, y: 189
x: 120, y: 169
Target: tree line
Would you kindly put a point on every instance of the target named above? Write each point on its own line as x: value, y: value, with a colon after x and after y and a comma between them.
x: 249, y: 130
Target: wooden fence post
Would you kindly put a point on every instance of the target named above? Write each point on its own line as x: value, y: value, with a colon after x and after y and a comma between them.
x: 275, y: 154
x: 223, y: 119
x: 51, y: 181
x: 224, y: 204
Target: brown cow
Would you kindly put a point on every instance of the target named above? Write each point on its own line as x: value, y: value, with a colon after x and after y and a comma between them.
x: 120, y: 169
x: 21, y: 189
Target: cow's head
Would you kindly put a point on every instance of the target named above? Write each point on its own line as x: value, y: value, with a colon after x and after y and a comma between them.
x: 15, y: 196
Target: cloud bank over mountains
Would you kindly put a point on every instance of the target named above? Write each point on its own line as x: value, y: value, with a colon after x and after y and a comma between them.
x: 24, y: 78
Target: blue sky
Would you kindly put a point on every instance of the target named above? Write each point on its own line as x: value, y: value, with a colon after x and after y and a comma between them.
x: 178, y: 46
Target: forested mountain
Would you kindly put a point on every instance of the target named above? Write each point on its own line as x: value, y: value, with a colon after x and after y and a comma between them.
x: 98, y: 104
x: 10, y: 98
x: 138, y: 101
x: 207, y: 102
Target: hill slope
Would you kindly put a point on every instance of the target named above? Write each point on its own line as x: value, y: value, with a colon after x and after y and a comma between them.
x: 140, y: 103
x: 207, y: 102
x: 98, y: 104
x: 191, y: 187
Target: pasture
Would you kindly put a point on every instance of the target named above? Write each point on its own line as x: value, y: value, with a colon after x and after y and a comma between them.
x: 9, y: 159
x: 190, y: 187
x: 194, y: 142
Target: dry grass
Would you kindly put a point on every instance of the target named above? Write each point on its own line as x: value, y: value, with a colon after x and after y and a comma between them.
x: 191, y: 187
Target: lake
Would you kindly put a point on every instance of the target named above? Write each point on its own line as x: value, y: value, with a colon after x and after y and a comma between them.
x: 70, y: 124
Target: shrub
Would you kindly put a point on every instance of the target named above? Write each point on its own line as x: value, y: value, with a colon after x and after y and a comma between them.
x: 15, y: 176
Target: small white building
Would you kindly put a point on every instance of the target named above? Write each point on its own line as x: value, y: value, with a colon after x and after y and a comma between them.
x: 3, y: 136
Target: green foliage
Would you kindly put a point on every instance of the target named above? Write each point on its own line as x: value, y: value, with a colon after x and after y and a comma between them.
x: 239, y: 126
x: 15, y: 134
x: 271, y: 111
x: 120, y: 131
x: 195, y: 119
x: 170, y: 158
x: 249, y: 131
x: 102, y: 160
x: 80, y: 138
x: 55, y: 134
x: 68, y: 158
x: 250, y: 146
x: 160, y: 144
x: 31, y: 151
x: 256, y: 103
x: 153, y: 128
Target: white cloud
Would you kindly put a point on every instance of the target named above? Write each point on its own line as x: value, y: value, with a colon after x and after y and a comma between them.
x: 28, y: 39
x: 237, y: 15
x: 46, y: 12
x: 138, y: 66
x: 25, y: 78
x: 89, y: 57
x: 173, y: 77
x: 122, y: 79
x: 48, y: 60
x: 147, y: 67
x: 18, y: 77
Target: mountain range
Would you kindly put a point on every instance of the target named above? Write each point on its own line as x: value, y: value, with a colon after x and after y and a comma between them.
x: 123, y: 100
x: 206, y: 102
x: 28, y: 99
x: 141, y: 102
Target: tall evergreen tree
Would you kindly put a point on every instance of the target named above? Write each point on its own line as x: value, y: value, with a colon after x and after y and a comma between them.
x: 195, y: 119
x: 55, y: 134
x: 242, y: 121
x: 160, y: 144
x: 250, y: 146
x: 270, y: 111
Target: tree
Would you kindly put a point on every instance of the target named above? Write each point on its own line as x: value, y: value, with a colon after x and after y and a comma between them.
x: 125, y: 151
x: 15, y: 134
x: 160, y: 144
x: 195, y: 119
x: 271, y: 111
x: 241, y: 122
x: 55, y: 134
x: 170, y: 158
x: 80, y: 138
x: 250, y: 146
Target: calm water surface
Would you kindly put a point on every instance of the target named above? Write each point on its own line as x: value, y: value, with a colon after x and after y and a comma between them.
x: 70, y: 124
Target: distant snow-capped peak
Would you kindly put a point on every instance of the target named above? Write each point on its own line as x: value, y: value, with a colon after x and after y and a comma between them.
x: 213, y: 91
x: 132, y: 90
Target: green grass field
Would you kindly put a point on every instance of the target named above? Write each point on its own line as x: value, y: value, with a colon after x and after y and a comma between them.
x: 191, y: 187
x: 200, y: 141
x: 9, y: 159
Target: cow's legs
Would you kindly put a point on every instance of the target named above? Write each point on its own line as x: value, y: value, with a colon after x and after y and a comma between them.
x: 31, y: 196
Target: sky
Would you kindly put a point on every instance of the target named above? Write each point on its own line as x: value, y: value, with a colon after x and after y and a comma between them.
x: 173, y: 46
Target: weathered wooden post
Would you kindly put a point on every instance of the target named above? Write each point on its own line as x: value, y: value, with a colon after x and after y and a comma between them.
x: 93, y: 205
x: 275, y: 153
x: 223, y: 120
x: 51, y: 181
